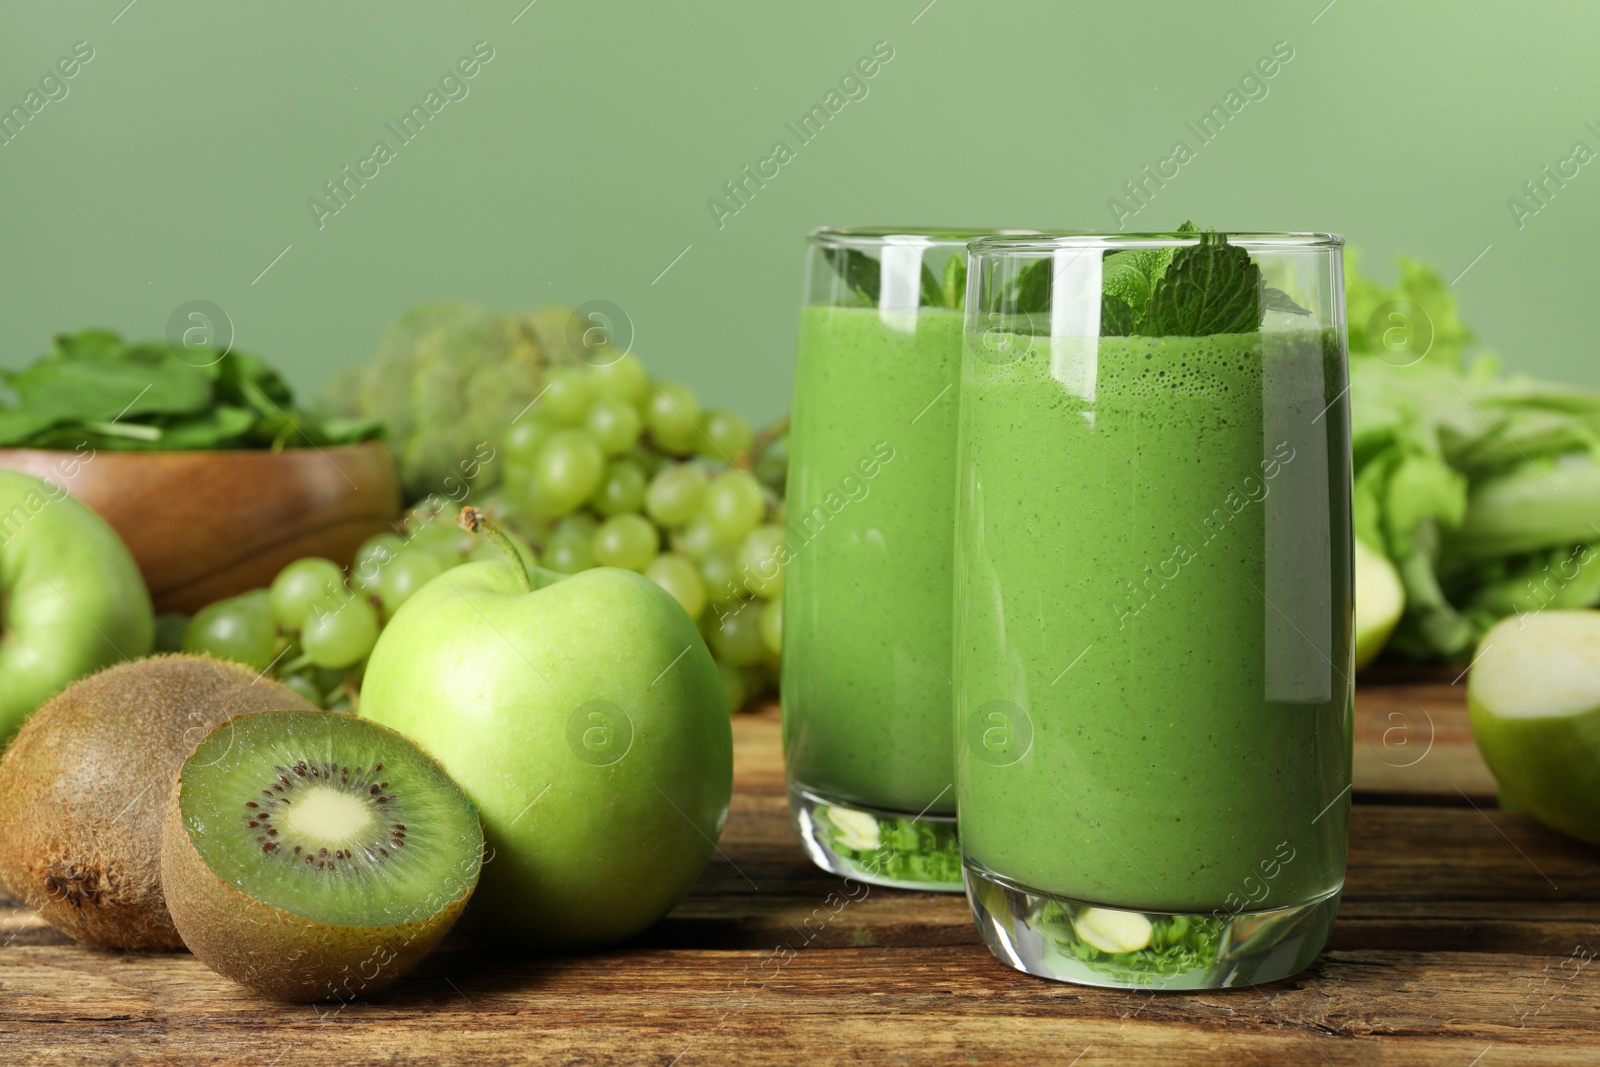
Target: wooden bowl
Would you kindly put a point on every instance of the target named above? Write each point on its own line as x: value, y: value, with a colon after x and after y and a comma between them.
x: 207, y: 525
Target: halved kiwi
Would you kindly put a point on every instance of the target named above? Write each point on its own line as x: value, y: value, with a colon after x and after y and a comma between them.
x: 314, y: 856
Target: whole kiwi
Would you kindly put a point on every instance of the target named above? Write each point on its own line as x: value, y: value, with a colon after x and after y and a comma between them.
x: 84, y: 788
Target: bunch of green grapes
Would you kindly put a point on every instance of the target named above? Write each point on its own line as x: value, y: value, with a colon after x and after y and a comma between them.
x: 315, y: 626
x: 609, y: 469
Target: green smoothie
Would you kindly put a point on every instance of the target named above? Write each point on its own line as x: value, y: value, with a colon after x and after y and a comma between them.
x: 1152, y: 696
x: 866, y: 602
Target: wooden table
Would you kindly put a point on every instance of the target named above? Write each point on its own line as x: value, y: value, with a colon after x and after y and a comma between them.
x: 1465, y: 939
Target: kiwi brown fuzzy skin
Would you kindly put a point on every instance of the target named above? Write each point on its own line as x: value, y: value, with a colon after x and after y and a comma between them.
x: 275, y: 952
x: 84, y: 785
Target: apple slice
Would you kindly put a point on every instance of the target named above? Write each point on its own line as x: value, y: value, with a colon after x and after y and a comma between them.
x: 1380, y: 601
x: 1113, y: 931
x: 1534, y: 696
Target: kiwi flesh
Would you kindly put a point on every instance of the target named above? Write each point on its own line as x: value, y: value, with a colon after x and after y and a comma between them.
x: 316, y: 856
x: 84, y: 784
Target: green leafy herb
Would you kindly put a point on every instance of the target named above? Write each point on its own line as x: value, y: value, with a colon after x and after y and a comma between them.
x: 864, y: 275
x: 1030, y: 289
x: 860, y: 271
x: 1210, y: 288
x: 93, y: 388
x: 954, y: 284
x: 1278, y: 300
x: 1117, y: 317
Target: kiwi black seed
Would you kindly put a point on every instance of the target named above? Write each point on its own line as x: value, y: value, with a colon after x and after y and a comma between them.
x: 312, y: 856
x: 84, y: 784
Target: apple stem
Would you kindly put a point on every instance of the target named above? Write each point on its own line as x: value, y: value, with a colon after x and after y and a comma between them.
x: 474, y: 519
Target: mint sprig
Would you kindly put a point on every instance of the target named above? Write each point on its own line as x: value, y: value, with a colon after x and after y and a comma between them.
x: 1207, y: 288
x: 1212, y: 287
x: 864, y: 275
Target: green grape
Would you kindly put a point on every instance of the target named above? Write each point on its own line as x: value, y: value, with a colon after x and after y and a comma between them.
x: 567, y: 471
x: 737, y: 638
x: 651, y: 461
x: 566, y: 397
x: 677, y: 574
x: 615, y: 425
x: 577, y: 528
x: 695, y: 539
x: 304, y: 686
x: 439, y: 534
x: 300, y: 586
x: 724, y: 435
x: 521, y: 442
x: 621, y: 490
x: 762, y: 559
x: 624, y: 378
x: 170, y: 627
x: 772, y: 469
x: 673, y: 416
x: 720, y: 569
x: 772, y: 625
x: 733, y: 686
x: 238, y: 629
x: 412, y: 569
x: 568, y: 558
x: 733, y: 505
x: 567, y: 551
x: 627, y: 541
x: 675, y: 493
x: 375, y: 553
x: 341, y: 638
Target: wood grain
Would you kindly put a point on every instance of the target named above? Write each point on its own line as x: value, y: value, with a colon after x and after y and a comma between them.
x: 207, y: 525
x: 1465, y: 933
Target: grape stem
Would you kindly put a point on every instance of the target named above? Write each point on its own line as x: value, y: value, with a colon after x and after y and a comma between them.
x: 763, y: 441
x: 474, y: 519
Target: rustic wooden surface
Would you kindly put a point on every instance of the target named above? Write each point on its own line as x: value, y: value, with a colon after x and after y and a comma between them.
x: 1465, y: 939
x: 207, y: 525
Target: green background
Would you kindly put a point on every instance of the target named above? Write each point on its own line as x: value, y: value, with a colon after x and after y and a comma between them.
x: 581, y: 162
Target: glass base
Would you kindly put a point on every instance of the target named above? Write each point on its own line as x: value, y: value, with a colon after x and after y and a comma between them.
x: 888, y: 848
x: 1091, y: 944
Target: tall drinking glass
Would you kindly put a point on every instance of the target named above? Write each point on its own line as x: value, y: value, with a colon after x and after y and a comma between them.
x: 1153, y: 651
x: 870, y: 510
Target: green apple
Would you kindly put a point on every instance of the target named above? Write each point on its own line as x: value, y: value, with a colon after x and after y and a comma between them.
x: 71, y: 598
x: 586, y: 720
x: 1380, y: 601
x: 1534, y: 697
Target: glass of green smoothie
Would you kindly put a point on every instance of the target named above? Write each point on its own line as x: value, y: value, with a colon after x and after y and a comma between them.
x: 1153, y: 650
x: 870, y: 511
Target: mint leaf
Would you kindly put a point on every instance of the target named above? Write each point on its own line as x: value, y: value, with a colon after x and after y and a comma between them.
x: 1030, y: 289
x: 864, y: 275
x: 1278, y: 300
x: 1210, y: 288
x: 860, y: 271
x: 954, y: 283
x: 932, y: 288
x: 1129, y: 276
x: 1117, y: 317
